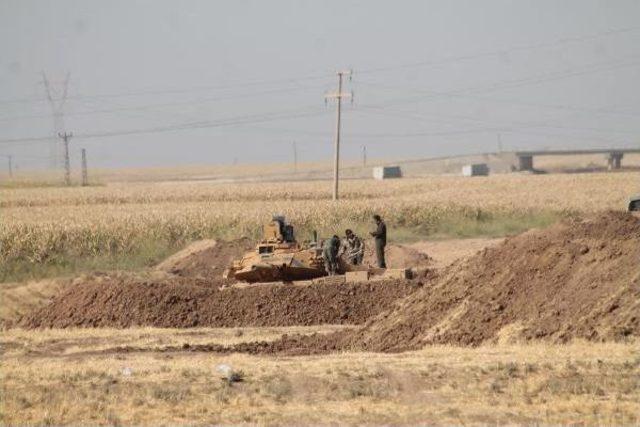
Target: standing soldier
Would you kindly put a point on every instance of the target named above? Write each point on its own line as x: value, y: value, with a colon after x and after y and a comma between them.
x: 353, y: 248
x: 330, y: 255
x: 380, y: 236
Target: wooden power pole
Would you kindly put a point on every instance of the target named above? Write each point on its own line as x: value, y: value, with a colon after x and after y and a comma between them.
x: 67, y: 163
x: 295, y: 157
x: 336, y: 155
x: 85, y: 175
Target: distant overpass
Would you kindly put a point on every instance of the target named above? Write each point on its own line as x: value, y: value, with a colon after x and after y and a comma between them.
x: 614, y: 156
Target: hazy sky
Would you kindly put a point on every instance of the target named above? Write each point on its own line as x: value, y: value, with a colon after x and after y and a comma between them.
x: 225, y: 80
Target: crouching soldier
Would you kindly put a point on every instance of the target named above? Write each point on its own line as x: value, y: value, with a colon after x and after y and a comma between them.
x: 330, y: 255
x: 353, y: 248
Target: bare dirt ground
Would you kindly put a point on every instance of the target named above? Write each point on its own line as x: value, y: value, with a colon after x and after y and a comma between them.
x: 184, y: 302
x: 445, y: 252
x: 205, y: 258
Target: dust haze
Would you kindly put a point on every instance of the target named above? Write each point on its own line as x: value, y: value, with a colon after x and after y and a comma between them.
x: 161, y: 84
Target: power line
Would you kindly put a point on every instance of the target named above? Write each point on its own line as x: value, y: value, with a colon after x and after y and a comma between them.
x: 240, y: 120
x: 501, y: 52
x: 489, y: 130
x: 166, y: 104
x: 531, y: 80
x: 604, y: 111
x: 175, y: 90
x: 453, y: 119
x: 322, y: 76
x: 248, y: 120
x: 200, y: 125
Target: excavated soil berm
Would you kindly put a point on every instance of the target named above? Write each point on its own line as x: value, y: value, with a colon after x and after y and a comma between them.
x: 397, y: 256
x: 206, y: 259
x: 181, y: 302
x: 577, y: 279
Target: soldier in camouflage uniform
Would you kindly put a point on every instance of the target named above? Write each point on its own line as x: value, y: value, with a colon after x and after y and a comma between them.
x: 330, y: 255
x: 353, y: 248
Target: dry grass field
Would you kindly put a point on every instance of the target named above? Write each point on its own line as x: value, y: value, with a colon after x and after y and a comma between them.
x: 59, y: 226
x: 57, y: 377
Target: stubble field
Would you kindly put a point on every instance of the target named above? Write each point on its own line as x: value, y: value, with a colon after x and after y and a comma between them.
x: 79, y: 377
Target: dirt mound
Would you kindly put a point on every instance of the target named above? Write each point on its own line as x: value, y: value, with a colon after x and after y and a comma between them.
x: 205, y: 258
x: 397, y: 256
x: 186, y: 302
x: 577, y: 279
x: 19, y: 299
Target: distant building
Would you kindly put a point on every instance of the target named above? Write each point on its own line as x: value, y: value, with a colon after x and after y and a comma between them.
x: 478, y: 169
x: 385, y: 172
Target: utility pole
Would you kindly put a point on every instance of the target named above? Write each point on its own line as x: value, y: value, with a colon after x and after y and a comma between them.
x: 295, y: 157
x: 57, y: 109
x: 85, y: 175
x: 499, y: 143
x: 9, y: 164
x: 336, y: 157
x: 364, y: 156
x: 67, y: 163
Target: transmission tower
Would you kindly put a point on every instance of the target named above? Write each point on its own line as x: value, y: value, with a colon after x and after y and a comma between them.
x: 57, y: 99
x: 336, y: 156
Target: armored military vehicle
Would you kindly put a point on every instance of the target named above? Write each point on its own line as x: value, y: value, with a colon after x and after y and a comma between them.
x: 279, y: 257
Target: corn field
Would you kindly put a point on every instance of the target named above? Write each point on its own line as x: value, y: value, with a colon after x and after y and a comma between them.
x: 41, y: 223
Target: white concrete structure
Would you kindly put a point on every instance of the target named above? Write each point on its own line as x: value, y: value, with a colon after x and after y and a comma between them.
x: 478, y: 169
x: 385, y: 172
